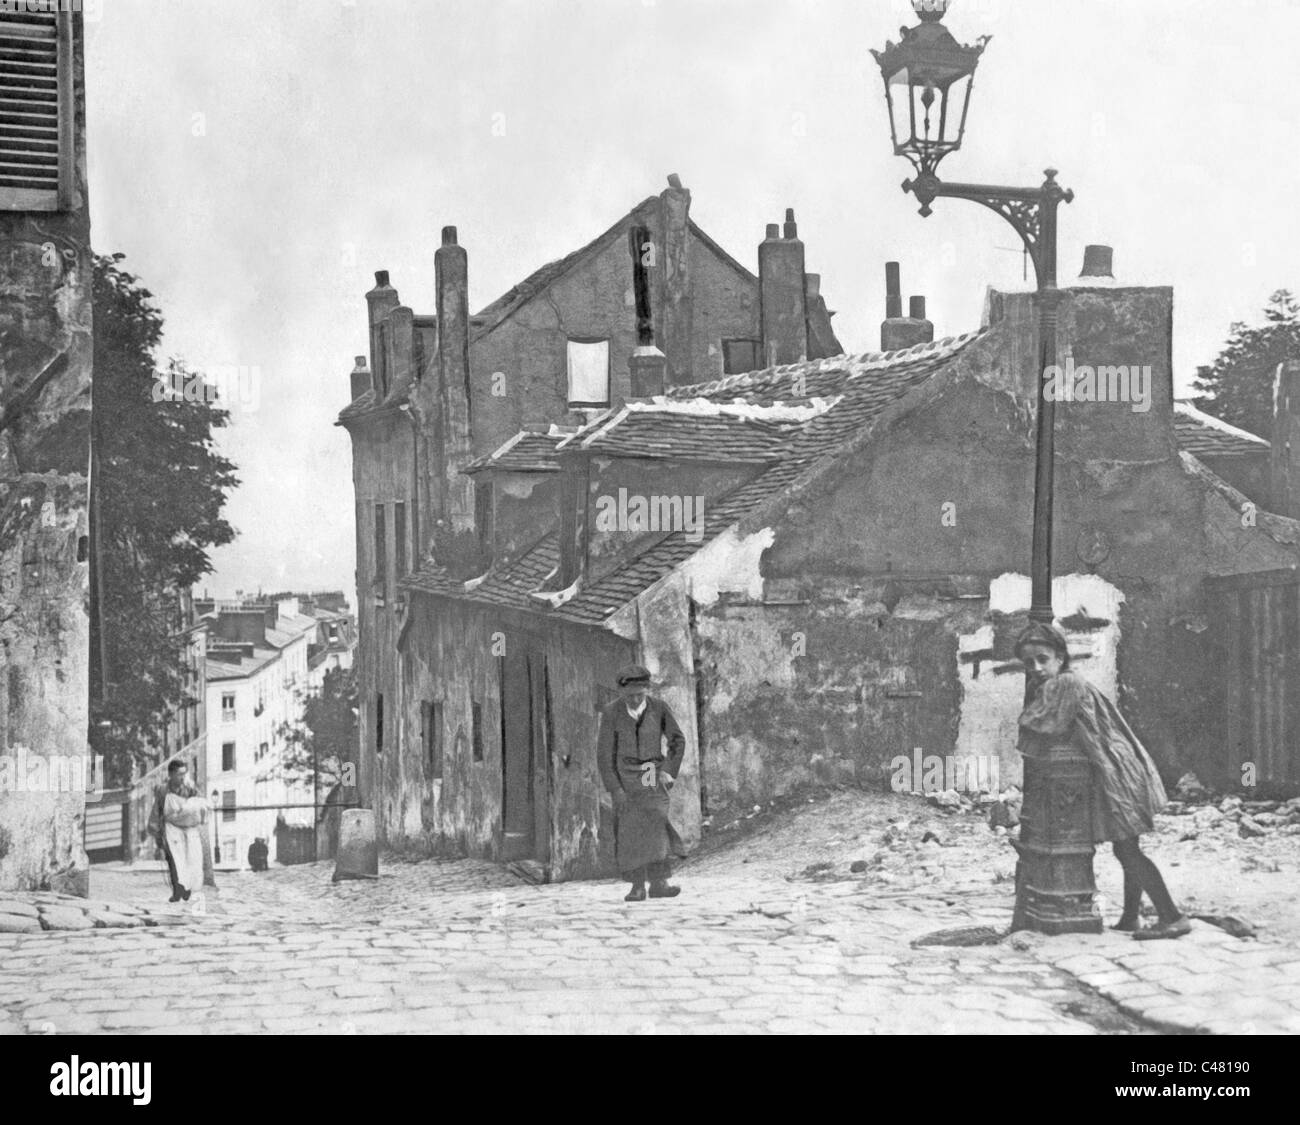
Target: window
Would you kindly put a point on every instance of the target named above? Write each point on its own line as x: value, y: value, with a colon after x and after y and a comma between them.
x: 588, y: 372
x: 228, y: 756
x: 477, y: 710
x: 36, y: 110
x: 739, y: 356
x: 431, y: 732
x: 227, y: 707
x: 228, y: 805
x: 381, y: 557
x: 262, y: 751
x: 379, y: 723
x: 399, y: 537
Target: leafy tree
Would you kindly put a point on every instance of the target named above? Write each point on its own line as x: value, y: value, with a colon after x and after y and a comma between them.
x: 325, y: 742
x: 159, y: 488
x: 1239, y: 386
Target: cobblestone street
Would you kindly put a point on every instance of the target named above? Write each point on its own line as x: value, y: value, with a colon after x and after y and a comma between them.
x: 466, y: 946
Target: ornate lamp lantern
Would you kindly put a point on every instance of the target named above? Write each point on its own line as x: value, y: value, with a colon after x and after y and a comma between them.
x: 928, y: 81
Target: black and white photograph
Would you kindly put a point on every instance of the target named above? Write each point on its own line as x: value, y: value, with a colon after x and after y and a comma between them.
x: 649, y: 517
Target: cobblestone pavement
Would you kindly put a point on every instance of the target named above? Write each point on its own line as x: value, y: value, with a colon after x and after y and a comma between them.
x: 464, y: 946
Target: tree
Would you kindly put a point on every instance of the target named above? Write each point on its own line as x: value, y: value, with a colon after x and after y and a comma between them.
x: 323, y: 745
x: 158, y: 492
x: 1239, y: 386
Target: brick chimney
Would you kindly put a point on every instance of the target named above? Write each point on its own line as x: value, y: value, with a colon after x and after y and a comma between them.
x: 1285, y: 465
x: 648, y: 367
x: 455, y: 537
x: 898, y: 331
x: 360, y: 378
x: 783, y: 296
x: 674, y: 308
x: 380, y: 301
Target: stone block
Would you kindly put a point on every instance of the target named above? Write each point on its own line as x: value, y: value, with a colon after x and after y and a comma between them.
x: 358, y: 853
x: 65, y: 918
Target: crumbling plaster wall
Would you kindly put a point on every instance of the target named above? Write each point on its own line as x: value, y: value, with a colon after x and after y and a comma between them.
x: 46, y: 351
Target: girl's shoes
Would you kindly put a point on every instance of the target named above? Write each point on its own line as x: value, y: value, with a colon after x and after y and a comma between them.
x: 1179, y: 926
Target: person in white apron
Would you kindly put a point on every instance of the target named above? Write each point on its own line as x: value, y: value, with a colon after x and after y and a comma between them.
x: 184, y: 813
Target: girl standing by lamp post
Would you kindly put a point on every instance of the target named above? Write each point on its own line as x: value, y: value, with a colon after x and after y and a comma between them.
x: 1126, y: 788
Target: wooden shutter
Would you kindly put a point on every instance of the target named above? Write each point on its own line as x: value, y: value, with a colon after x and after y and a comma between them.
x: 35, y: 111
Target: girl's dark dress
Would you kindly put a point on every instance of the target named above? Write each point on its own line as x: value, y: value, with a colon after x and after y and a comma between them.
x: 1127, y: 790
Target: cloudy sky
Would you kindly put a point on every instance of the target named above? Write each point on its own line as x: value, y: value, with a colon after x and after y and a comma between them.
x: 258, y: 160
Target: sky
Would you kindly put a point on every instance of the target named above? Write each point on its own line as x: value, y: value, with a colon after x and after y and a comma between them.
x: 257, y: 160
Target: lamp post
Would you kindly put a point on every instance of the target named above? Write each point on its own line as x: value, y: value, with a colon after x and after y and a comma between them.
x: 928, y: 79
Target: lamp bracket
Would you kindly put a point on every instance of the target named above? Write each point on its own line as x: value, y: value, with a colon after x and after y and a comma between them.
x: 1028, y: 210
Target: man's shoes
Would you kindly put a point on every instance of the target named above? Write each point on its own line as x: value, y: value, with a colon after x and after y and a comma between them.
x: 636, y: 894
x: 660, y: 889
x: 1176, y: 928
x: 176, y: 897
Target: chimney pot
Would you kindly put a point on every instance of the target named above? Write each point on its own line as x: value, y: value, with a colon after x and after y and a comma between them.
x: 791, y: 227
x: 893, y: 292
x: 916, y: 308
x: 1098, y: 261
x: 674, y: 180
x: 773, y: 230
x: 449, y: 236
x: 381, y: 278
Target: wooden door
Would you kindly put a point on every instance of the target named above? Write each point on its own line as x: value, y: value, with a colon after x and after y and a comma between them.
x: 518, y: 814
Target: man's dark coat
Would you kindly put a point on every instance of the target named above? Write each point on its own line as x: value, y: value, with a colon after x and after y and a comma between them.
x: 642, y: 829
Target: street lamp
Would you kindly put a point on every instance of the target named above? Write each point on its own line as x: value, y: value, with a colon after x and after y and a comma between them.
x: 928, y: 78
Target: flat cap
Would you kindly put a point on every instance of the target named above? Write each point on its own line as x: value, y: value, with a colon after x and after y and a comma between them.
x: 632, y: 674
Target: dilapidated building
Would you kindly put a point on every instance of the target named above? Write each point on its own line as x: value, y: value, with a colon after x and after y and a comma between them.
x: 651, y: 302
x: 45, y: 380
x: 823, y: 559
x: 824, y: 564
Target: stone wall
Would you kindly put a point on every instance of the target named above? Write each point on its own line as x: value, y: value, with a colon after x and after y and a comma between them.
x: 46, y: 353
x: 451, y: 654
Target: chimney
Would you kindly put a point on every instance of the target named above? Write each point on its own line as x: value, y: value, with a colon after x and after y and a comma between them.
x: 360, y: 378
x: 783, y: 295
x: 1098, y: 262
x: 456, y: 544
x: 1285, y: 466
x: 648, y: 367
x: 675, y: 308
x: 381, y: 300
x: 898, y: 331
x: 893, y: 292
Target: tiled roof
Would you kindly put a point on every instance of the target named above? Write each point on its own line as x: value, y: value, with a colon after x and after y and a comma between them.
x: 1204, y: 435
x: 510, y: 585
x: 366, y: 403
x: 650, y: 432
x: 859, y: 389
x: 525, y: 452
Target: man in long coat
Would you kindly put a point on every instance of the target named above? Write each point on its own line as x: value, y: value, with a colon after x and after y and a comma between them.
x: 638, y: 775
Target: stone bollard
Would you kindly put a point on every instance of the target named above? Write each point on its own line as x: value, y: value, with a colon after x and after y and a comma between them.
x: 358, y: 855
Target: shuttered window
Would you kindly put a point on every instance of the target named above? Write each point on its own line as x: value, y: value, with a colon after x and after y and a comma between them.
x: 35, y: 109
